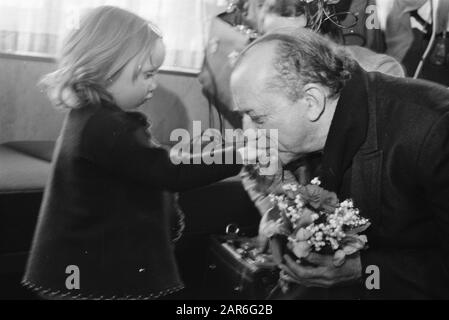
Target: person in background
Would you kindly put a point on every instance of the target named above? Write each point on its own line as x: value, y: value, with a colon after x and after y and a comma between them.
x: 275, y: 14
x: 103, y: 208
x: 397, y: 24
x: 246, y: 20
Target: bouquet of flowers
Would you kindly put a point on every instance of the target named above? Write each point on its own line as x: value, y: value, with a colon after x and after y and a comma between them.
x: 311, y: 219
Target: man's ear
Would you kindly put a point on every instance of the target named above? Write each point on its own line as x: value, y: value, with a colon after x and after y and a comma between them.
x: 315, y: 97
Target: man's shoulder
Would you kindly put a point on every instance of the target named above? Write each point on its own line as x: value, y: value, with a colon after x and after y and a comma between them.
x: 407, y: 96
x: 406, y: 109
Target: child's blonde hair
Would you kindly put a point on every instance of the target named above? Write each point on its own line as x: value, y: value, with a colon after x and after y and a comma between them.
x: 96, y: 54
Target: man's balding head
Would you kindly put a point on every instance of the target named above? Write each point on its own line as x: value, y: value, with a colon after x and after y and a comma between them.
x: 300, y: 56
x: 290, y: 81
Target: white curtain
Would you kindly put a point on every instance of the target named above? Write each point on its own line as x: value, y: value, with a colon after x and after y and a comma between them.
x: 37, y: 26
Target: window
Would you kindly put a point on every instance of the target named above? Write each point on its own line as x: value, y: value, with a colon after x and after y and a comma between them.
x: 37, y: 26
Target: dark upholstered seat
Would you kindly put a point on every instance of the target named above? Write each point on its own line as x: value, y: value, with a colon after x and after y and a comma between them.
x: 24, y: 169
x: 24, y: 166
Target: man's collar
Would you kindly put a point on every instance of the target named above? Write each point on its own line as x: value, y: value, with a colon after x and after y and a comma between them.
x: 347, y: 132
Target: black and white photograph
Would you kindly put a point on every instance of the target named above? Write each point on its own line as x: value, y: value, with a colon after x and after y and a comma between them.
x: 224, y: 155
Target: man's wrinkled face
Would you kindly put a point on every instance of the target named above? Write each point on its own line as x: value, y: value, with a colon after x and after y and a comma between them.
x: 265, y: 108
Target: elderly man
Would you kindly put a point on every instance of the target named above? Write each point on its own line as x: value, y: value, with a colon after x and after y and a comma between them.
x: 384, y: 143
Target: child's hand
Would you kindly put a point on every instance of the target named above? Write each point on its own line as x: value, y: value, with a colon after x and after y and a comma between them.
x: 259, y: 149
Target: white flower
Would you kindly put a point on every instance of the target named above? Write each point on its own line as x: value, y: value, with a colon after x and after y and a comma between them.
x: 290, y: 187
x: 316, y: 181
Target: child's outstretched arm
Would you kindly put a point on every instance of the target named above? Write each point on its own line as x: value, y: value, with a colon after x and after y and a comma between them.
x: 118, y: 148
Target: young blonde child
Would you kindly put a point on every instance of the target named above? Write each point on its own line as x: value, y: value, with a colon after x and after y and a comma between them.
x: 102, y: 218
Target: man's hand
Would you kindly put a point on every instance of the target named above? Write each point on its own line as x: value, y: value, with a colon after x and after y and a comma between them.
x: 324, y: 273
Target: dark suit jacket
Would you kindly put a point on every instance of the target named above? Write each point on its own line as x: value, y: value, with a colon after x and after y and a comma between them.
x: 103, y: 209
x: 400, y: 180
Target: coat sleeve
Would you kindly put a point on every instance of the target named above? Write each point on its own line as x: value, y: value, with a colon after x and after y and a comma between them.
x: 433, y: 164
x: 120, y: 149
x: 422, y: 272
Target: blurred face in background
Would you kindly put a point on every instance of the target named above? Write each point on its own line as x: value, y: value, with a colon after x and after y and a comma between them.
x: 276, y: 14
x: 254, y: 9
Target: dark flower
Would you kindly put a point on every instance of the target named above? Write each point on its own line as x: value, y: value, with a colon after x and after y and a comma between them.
x: 318, y: 198
x: 329, y: 201
x: 311, y: 195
